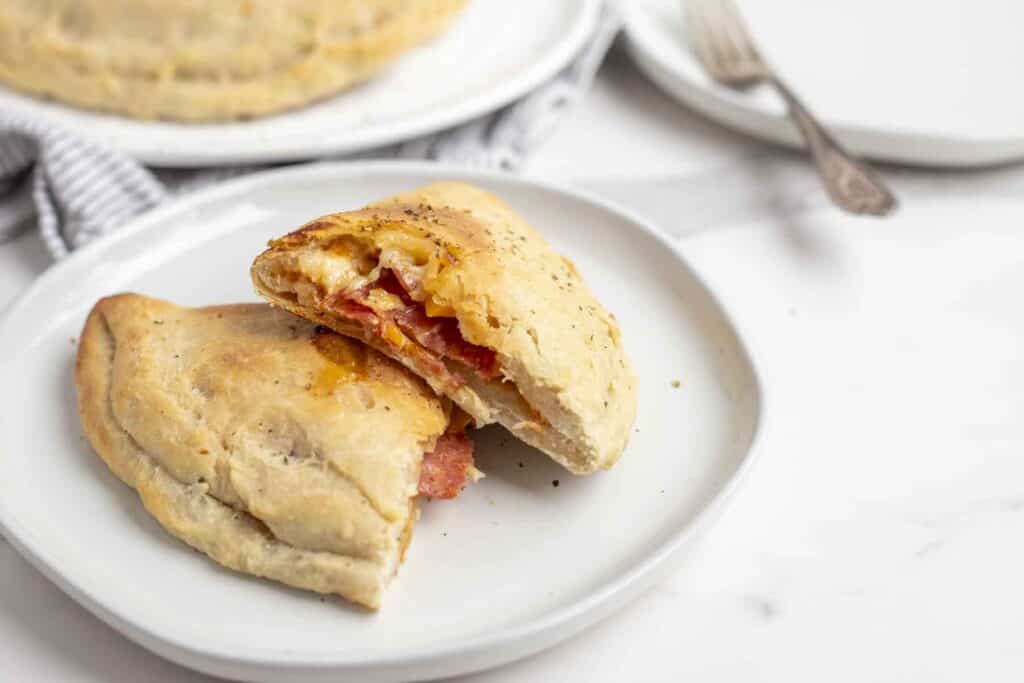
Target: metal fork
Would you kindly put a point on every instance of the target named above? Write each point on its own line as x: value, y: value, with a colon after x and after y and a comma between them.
x: 724, y: 46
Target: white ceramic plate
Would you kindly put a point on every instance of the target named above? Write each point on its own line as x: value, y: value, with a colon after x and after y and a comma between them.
x: 920, y: 83
x: 495, y: 52
x: 511, y: 566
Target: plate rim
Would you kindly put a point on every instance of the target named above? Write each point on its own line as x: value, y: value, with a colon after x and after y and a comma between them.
x: 550, y: 628
x: 303, y: 147
x: 735, y: 111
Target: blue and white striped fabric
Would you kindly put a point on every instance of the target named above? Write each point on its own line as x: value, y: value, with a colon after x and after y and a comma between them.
x: 75, y: 190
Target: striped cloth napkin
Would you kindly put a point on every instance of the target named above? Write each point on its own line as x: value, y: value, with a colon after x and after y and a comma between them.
x: 75, y: 190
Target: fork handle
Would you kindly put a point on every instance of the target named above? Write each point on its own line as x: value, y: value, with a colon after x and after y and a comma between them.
x: 851, y: 183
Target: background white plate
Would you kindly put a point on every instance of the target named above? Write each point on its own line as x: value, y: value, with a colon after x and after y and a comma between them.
x: 933, y: 83
x: 511, y: 566
x: 494, y: 52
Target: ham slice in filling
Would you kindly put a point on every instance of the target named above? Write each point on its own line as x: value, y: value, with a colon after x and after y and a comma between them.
x: 439, y: 337
x: 444, y: 470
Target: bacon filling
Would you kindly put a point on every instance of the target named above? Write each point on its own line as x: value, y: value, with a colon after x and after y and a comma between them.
x: 438, y: 335
x: 444, y: 470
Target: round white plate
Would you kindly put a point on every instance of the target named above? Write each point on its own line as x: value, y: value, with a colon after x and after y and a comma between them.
x: 495, y: 52
x: 920, y: 83
x: 513, y: 565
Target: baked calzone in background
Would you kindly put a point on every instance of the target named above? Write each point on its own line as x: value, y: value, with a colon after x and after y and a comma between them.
x: 458, y: 287
x: 206, y: 61
x: 277, y: 449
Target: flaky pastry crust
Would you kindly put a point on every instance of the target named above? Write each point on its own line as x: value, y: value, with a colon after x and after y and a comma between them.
x: 276, y: 450
x: 566, y: 385
x: 206, y: 61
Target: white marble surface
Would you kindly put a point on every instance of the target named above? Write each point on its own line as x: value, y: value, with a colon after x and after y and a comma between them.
x: 878, y: 538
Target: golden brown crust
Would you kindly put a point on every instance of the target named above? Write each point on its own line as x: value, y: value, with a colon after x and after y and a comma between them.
x: 275, y: 452
x: 241, y: 58
x: 475, y: 259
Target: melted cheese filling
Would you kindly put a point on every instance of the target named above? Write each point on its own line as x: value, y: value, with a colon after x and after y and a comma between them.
x: 350, y: 263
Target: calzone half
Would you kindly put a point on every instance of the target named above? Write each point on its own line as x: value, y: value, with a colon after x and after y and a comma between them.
x: 458, y: 287
x: 277, y: 449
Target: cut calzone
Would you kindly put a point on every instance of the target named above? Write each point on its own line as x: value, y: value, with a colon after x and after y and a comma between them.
x: 277, y: 449
x: 454, y: 284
